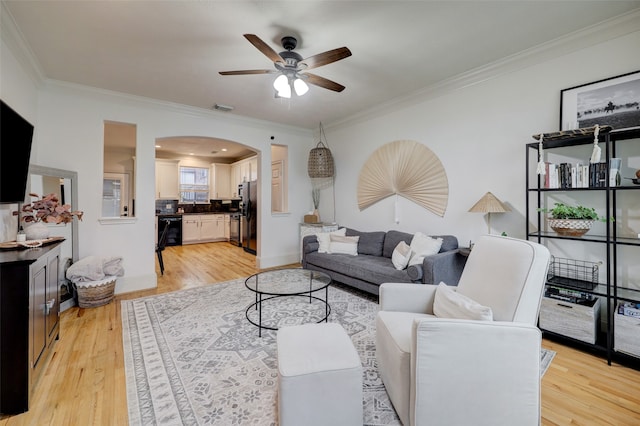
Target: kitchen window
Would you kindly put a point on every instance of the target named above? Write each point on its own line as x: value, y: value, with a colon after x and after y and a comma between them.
x: 194, y: 185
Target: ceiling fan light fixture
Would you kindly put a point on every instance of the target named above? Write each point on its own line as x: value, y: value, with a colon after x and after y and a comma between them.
x: 300, y: 86
x: 281, y: 84
x: 284, y: 93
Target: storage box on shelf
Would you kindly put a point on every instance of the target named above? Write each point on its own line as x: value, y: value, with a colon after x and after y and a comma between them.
x: 575, y: 315
x: 627, y: 328
x: 571, y: 317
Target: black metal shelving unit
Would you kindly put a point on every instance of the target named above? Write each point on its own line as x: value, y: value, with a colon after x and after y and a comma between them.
x: 610, y: 290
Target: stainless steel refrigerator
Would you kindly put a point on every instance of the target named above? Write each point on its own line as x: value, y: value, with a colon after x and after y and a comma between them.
x: 250, y: 216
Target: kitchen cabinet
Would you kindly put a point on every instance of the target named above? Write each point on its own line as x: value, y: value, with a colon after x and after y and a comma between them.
x: 227, y: 227
x: 208, y: 227
x: 236, y: 178
x: 253, y: 168
x: 29, y: 321
x: 203, y: 228
x: 167, y: 180
x: 244, y: 171
x: 221, y: 181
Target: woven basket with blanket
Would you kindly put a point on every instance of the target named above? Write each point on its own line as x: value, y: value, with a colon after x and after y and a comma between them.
x: 94, y: 278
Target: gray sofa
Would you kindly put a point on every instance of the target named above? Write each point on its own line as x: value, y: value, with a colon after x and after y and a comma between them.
x: 372, y: 266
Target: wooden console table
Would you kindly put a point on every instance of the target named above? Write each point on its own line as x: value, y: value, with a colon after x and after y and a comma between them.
x: 29, y: 321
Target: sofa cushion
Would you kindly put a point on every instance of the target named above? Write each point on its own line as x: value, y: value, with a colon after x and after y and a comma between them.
x: 401, y: 255
x: 345, y: 245
x: 423, y: 246
x: 392, y: 239
x: 450, y: 304
x: 372, y: 269
x: 370, y: 242
x: 324, y: 239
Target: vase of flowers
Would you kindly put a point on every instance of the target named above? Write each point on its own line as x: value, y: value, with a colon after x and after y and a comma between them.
x: 315, y: 195
x: 45, y: 209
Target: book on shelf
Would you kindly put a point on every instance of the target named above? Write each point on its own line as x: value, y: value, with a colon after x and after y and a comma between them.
x: 567, y: 175
x: 598, y: 175
x: 629, y: 309
x: 568, y: 294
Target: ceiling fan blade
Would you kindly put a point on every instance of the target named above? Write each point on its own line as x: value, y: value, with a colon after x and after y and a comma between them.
x: 263, y: 47
x: 247, y: 72
x: 316, y: 80
x: 325, y: 58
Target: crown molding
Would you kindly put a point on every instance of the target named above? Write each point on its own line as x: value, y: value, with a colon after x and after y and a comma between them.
x: 166, y: 106
x: 589, y: 36
x: 14, y: 39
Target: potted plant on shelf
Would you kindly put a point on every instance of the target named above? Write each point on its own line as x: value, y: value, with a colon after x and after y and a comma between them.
x: 571, y: 221
x: 45, y: 209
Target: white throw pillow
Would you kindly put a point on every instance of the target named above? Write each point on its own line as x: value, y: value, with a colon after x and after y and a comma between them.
x: 324, y: 239
x: 401, y: 255
x: 451, y: 304
x: 343, y: 245
x: 423, y: 246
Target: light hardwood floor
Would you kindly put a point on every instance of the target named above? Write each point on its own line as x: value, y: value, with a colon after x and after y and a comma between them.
x: 84, y: 381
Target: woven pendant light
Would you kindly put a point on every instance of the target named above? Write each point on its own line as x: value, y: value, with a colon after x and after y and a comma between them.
x: 320, y: 163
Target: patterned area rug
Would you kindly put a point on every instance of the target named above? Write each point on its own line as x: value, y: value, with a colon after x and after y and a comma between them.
x: 192, y: 358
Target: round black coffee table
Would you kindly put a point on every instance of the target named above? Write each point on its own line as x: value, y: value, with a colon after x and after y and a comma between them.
x: 271, y: 285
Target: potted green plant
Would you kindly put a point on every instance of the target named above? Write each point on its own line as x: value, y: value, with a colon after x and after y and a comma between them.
x: 573, y: 221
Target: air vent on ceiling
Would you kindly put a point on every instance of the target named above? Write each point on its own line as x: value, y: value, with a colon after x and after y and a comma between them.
x: 221, y: 107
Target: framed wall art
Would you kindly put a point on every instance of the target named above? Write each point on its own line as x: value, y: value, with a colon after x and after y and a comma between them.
x: 613, y: 101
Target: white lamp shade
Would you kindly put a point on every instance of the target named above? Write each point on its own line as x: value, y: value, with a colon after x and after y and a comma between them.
x: 300, y: 87
x: 281, y: 83
x: 285, y: 92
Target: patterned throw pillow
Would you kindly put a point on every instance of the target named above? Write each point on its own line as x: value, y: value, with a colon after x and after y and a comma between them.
x: 401, y: 255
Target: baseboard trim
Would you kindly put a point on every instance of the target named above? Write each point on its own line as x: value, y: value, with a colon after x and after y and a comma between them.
x: 137, y: 283
x: 263, y: 262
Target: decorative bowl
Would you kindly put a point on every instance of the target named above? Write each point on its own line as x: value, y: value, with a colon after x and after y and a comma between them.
x: 570, y: 227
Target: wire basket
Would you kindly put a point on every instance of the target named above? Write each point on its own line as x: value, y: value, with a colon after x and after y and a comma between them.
x: 572, y: 273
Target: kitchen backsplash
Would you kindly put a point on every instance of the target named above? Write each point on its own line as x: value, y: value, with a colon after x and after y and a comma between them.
x: 166, y: 206
x: 221, y: 206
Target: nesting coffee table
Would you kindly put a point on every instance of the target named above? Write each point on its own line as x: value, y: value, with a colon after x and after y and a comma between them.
x: 271, y: 286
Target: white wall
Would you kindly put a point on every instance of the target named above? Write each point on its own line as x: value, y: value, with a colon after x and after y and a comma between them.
x: 71, y: 136
x: 479, y: 133
x: 19, y: 91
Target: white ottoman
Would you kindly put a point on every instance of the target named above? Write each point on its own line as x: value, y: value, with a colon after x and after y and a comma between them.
x: 319, y: 375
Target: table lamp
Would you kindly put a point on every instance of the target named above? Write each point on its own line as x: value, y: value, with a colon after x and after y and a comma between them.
x: 489, y: 203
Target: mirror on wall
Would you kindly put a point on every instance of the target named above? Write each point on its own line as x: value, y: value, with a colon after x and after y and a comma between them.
x: 118, y: 183
x: 64, y: 183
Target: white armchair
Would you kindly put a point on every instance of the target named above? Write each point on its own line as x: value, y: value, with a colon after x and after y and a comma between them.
x: 440, y: 371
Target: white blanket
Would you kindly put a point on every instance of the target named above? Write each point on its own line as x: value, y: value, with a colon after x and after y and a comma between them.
x: 94, y: 268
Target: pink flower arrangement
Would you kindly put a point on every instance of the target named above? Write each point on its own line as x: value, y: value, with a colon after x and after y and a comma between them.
x: 47, y: 209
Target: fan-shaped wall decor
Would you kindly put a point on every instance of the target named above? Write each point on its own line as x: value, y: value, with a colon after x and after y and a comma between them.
x: 406, y: 168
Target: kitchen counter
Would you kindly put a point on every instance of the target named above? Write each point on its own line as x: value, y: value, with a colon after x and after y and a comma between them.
x: 194, y: 213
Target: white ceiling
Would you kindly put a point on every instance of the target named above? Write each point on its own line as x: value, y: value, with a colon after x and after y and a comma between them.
x: 173, y: 50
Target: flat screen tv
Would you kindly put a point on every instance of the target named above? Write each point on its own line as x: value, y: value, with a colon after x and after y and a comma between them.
x: 16, y: 135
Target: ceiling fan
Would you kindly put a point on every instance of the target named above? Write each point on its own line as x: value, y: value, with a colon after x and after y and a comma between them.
x: 290, y: 65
